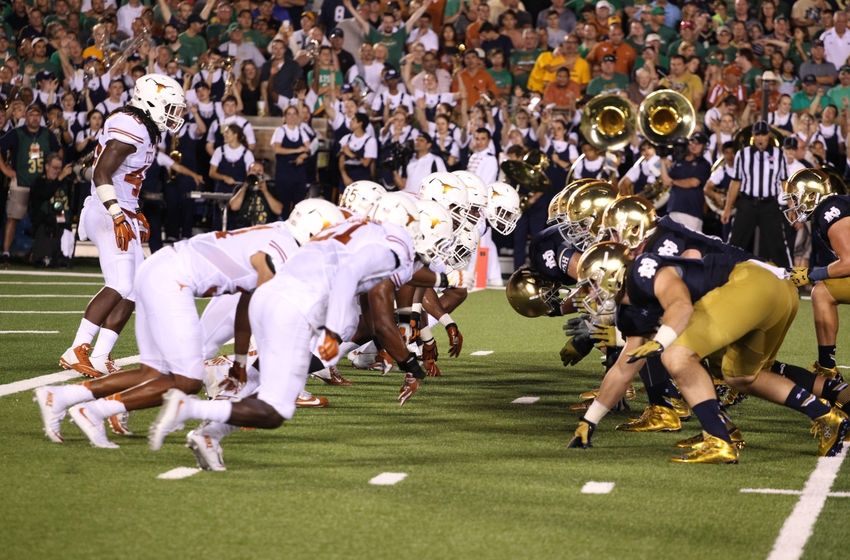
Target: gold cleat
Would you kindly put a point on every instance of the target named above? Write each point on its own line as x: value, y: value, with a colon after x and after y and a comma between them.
x: 582, y: 406
x: 711, y: 450
x: 830, y: 431
x: 735, y: 434
x: 831, y: 373
x: 680, y: 407
x: 655, y: 418
x: 593, y: 393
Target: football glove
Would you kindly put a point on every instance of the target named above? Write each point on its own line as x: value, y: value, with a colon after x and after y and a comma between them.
x: 238, y: 373
x: 408, y: 388
x: 429, y: 350
x: 799, y: 276
x: 123, y: 231
x: 603, y: 335
x: 144, y: 227
x: 415, y: 328
x: 582, y: 435
x: 383, y: 362
x: 576, y: 326
x: 648, y: 350
x: 575, y: 349
x: 431, y: 368
x: 459, y: 279
x: 329, y: 347
x: 455, y: 340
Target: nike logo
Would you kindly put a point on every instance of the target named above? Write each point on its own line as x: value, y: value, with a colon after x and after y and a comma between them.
x: 83, y: 414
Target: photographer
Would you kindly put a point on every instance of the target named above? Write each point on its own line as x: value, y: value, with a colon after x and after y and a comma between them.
x: 395, y: 140
x: 253, y: 203
x: 50, y: 214
x: 423, y: 163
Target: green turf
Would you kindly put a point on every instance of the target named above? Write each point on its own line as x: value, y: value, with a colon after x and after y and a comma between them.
x: 486, y: 479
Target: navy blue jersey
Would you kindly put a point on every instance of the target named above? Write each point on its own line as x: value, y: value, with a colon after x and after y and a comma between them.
x: 671, y: 239
x: 699, y: 275
x: 827, y: 213
x: 550, y: 255
x: 638, y: 321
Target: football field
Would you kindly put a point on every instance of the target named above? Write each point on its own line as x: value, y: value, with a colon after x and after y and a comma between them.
x: 485, y: 477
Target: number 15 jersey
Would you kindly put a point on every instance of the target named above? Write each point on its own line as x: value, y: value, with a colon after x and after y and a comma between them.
x: 128, y: 178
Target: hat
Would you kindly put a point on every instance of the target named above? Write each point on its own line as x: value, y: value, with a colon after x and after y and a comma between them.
x: 614, y: 20
x: 425, y: 136
x: 777, y: 17
x: 309, y: 15
x: 35, y: 107
x: 699, y: 137
x: 45, y: 75
x: 653, y: 37
x: 391, y: 74
x: 733, y: 69
x: 233, y: 27
x: 609, y: 58
x: 817, y: 43
x: 346, y: 88
x: 394, y: 6
x: 479, y: 52
x: 722, y: 29
x: 657, y: 11
x: 844, y: 68
x: 605, y: 4
x: 336, y: 32
x: 39, y: 40
x: 769, y: 77
x: 761, y: 127
x: 195, y: 18
x: 791, y: 142
x: 810, y: 79
x: 686, y: 24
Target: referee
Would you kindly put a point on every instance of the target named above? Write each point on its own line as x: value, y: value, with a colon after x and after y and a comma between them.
x: 759, y: 173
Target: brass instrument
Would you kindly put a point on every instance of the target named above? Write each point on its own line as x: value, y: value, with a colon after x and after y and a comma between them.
x: 710, y: 202
x: 655, y: 192
x: 608, y: 122
x: 313, y: 47
x: 530, y: 173
x: 114, y: 59
x: 665, y: 115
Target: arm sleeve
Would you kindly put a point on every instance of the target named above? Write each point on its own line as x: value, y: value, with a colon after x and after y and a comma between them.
x: 249, y: 159
x: 371, y: 148
x: 277, y: 137
x: 737, y: 173
x: 216, y: 157
x: 249, y: 133
x: 370, y: 261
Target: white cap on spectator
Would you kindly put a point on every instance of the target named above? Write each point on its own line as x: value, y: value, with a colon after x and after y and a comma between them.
x: 769, y: 77
x: 604, y: 4
x: 653, y: 37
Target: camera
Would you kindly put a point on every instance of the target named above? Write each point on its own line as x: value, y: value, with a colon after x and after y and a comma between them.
x: 253, y: 182
x: 397, y: 155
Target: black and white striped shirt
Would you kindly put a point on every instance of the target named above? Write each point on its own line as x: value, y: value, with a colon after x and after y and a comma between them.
x: 761, y: 172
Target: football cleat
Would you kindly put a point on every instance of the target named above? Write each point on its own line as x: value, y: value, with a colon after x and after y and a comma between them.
x: 50, y: 416
x: 118, y: 424
x: 383, y: 362
x: 103, y: 365
x: 655, y: 418
x: 681, y: 408
x: 91, y: 425
x: 309, y: 400
x: 830, y: 431
x: 168, y: 420
x: 334, y: 377
x: 592, y: 394
x: 208, y: 452
x: 734, y: 434
x: 831, y: 373
x: 711, y: 450
x: 77, y: 359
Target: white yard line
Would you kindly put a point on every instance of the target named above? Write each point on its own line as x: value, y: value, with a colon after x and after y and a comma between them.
x: 44, y: 296
x: 785, y: 492
x: 49, y: 273
x: 592, y: 487
x: 525, y: 400
x: 51, y: 378
x: 481, y: 353
x: 29, y: 332
x: 799, y: 525
x: 178, y: 473
x: 388, y: 478
x: 41, y: 312
x: 51, y: 283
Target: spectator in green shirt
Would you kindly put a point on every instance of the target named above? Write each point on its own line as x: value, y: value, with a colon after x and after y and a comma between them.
x: 501, y: 75
x: 39, y: 60
x: 192, y: 44
x: 840, y: 93
x: 607, y: 80
x: 522, y: 60
x: 811, y: 98
x: 388, y: 33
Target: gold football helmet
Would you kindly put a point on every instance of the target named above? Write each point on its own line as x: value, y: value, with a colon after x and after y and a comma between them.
x: 584, y: 213
x: 629, y: 219
x: 803, y: 192
x: 531, y: 295
x: 601, y: 277
x: 558, y: 204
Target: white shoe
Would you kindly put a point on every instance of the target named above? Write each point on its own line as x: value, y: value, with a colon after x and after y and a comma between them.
x: 91, y: 425
x: 118, y: 424
x: 103, y: 365
x: 208, y: 452
x: 168, y: 419
x: 51, y: 417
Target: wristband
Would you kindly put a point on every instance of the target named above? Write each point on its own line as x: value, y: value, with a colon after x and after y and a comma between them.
x: 241, y: 360
x: 819, y: 273
x: 416, y: 308
x: 107, y: 196
x: 665, y: 336
x: 595, y: 412
x: 442, y: 280
x: 446, y: 320
x: 410, y: 365
x: 403, y: 314
x: 426, y: 335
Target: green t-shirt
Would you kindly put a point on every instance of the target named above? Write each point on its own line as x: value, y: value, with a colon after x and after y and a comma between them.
x: 749, y: 79
x: 663, y: 62
x: 837, y: 94
x: 30, y: 153
x: 452, y: 7
x: 217, y: 31
x: 326, y: 76
x: 525, y: 60
x: 801, y: 101
x: 190, y: 49
x: 674, y: 48
x: 393, y: 42
x: 728, y: 54
x: 47, y: 65
x: 502, y: 78
x: 599, y: 84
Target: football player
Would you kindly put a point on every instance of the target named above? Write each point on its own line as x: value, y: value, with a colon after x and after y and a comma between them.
x: 307, y: 298
x: 719, y: 302
x: 111, y: 217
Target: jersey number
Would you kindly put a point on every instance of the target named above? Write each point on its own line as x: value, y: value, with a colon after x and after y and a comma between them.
x: 343, y: 237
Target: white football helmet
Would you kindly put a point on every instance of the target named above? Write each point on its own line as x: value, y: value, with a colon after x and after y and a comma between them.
x: 311, y: 216
x: 476, y: 192
x: 465, y: 243
x: 162, y: 98
x: 502, y: 207
x: 361, y: 196
x: 436, y: 229
x: 403, y: 210
x: 447, y: 190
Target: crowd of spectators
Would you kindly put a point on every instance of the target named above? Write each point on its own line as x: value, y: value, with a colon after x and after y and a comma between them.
x: 390, y: 91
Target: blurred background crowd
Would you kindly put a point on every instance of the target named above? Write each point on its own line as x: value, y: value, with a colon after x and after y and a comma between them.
x: 294, y: 98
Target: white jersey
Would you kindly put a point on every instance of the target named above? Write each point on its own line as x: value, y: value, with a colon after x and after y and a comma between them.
x: 128, y: 178
x: 345, y: 260
x: 220, y: 262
